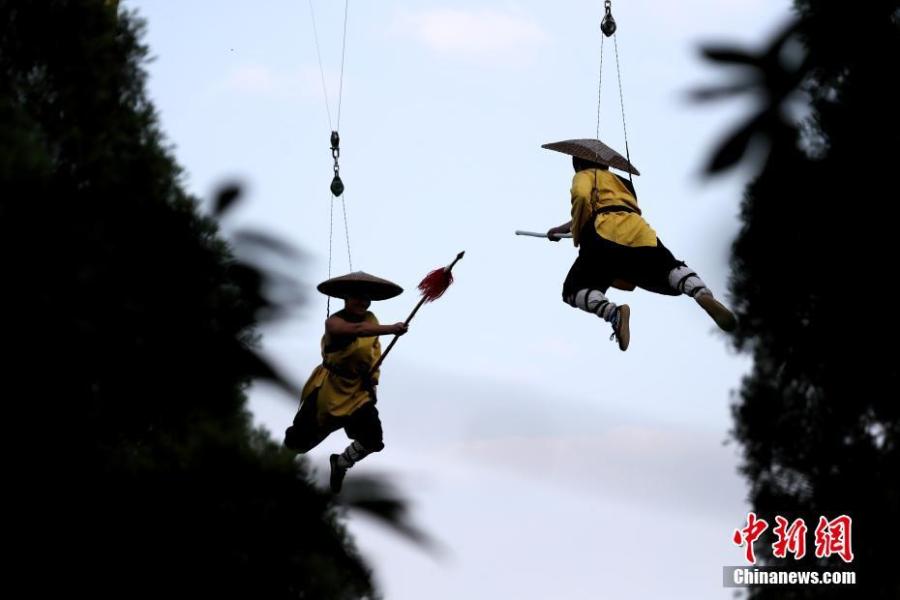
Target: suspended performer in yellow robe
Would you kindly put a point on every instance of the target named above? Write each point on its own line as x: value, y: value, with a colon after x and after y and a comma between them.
x: 616, y: 246
x: 340, y: 393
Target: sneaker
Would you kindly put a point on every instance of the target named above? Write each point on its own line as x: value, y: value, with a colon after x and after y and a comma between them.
x: 619, y: 323
x: 337, y: 474
x: 723, y: 317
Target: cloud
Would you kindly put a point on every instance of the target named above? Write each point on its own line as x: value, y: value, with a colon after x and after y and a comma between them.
x: 511, y: 536
x: 670, y: 468
x: 576, y: 444
x: 279, y: 83
x: 484, y: 34
x: 252, y: 78
x: 680, y: 17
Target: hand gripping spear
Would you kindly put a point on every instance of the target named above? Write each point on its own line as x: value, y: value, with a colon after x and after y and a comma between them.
x: 432, y: 287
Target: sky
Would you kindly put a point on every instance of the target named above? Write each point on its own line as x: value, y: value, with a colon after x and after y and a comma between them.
x: 547, y: 463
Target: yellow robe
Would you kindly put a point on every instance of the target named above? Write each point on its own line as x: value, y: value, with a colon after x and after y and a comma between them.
x: 341, y: 388
x: 597, y: 188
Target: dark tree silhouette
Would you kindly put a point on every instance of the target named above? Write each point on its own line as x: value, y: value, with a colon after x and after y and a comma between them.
x: 129, y: 344
x: 818, y: 418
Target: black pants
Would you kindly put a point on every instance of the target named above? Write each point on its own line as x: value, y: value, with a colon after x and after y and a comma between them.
x: 362, y: 425
x: 600, y: 262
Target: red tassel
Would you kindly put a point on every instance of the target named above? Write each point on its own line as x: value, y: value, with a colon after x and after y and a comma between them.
x: 435, y: 284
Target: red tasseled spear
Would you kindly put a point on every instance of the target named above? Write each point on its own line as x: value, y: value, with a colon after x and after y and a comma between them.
x: 432, y: 287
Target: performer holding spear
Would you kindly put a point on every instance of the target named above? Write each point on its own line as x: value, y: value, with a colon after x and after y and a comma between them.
x: 340, y: 392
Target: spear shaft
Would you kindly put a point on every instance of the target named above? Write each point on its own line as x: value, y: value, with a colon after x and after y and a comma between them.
x: 426, y: 297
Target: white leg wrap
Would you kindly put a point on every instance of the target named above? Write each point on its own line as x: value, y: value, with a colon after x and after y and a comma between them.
x: 354, y: 453
x: 686, y: 281
x: 593, y: 301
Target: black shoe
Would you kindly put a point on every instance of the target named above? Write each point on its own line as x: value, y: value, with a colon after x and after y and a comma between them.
x: 337, y: 474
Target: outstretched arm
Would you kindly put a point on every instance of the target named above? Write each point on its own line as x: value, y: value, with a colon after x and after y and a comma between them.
x: 338, y: 326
